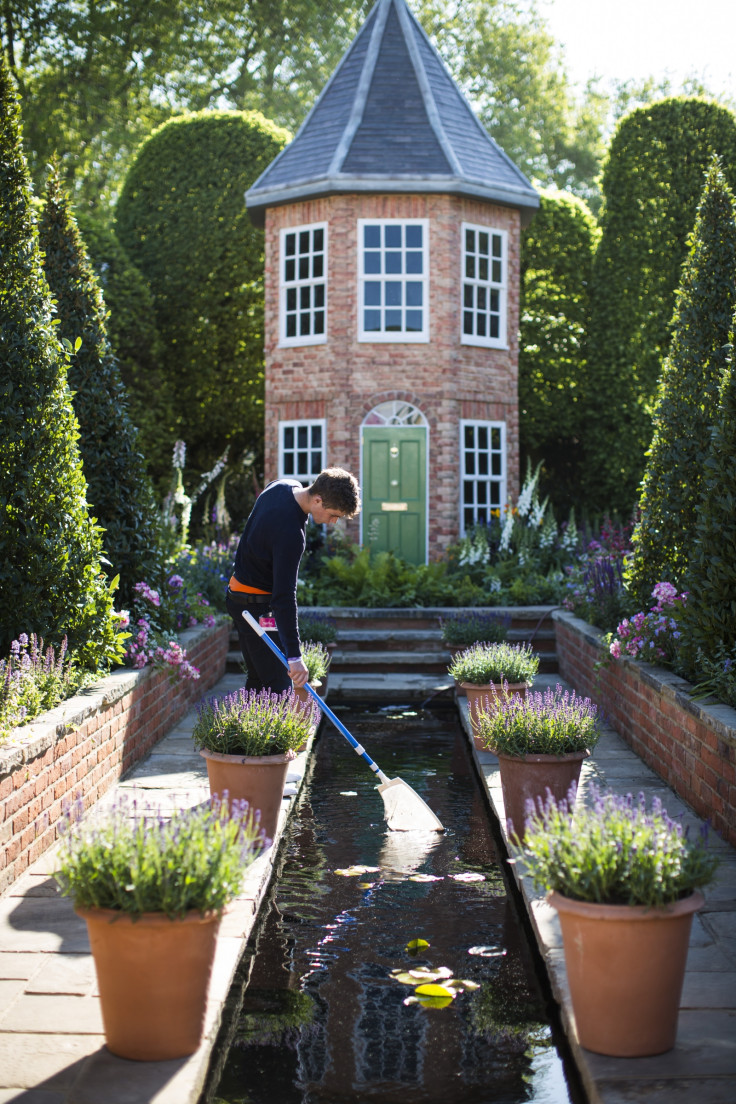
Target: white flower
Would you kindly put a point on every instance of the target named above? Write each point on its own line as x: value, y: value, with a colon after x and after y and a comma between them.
x: 508, y: 526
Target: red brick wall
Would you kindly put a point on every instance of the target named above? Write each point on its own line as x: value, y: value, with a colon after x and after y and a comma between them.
x: 692, y: 746
x: 87, y: 743
x: 343, y: 379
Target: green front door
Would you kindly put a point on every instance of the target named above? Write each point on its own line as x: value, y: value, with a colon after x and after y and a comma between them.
x: 395, y: 490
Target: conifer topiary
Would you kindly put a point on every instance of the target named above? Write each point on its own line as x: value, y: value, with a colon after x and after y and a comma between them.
x: 652, y: 183
x: 709, y: 621
x: 688, y: 396
x: 50, y: 575
x: 556, y: 261
x: 119, y: 491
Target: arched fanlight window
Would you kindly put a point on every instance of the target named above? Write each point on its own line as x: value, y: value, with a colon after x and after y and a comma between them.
x: 395, y: 412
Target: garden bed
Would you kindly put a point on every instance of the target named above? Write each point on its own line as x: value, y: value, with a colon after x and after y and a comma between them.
x: 690, y: 744
x: 80, y: 748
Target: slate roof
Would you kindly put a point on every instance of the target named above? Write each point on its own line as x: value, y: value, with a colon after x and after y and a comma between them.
x: 391, y: 119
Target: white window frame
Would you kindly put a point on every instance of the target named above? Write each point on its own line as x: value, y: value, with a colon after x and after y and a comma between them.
x: 489, y: 478
x: 393, y: 336
x: 299, y: 283
x: 296, y: 425
x: 487, y: 286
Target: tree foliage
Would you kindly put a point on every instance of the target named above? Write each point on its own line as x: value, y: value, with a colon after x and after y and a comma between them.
x: 688, y: 395
x: 119, y: 490
x: 50, y: 548
x: 556, y: 259
x: 652, y: 184
x: 181, y: 218
x: 709, y: 625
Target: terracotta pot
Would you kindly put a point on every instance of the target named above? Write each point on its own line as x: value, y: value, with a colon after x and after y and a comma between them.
x: 153, y: 974
x: 625, y: 967
x: 304, y: 698
x: 257, y: 779
x: 527, y: 777
x: 485, y: 697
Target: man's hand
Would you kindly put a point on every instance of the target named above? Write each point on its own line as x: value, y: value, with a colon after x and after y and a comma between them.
x: 298, y: 672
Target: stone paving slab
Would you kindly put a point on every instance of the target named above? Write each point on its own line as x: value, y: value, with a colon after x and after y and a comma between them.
x: 702, y: 1065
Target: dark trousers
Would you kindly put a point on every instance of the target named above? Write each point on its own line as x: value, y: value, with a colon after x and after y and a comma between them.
x: 264, y: 670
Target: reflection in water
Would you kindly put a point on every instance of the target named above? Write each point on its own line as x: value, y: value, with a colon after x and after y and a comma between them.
x: 323, y: 1021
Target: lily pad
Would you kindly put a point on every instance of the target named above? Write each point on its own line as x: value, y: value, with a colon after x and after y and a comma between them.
x: 421, y: 974
x: 487, y: 951
x: 434, y: 991
x: 460, y: 984
x: 424, y: 878
x: 414, y: 946
x: 429, y: 1002
x: 468, y: 876
x: 348, y: 793
x: 352, y: 871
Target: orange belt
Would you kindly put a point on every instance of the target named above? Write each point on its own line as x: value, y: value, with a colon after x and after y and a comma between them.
x: 235, y: 584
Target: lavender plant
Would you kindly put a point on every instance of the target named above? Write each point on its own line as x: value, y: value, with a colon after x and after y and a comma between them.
x: 150, y: 863
x: 476, y: 626
x: 317, y: 627
x: 250, y: 722
x: 556, y: 722
x: 316, y: 658
x: 614, y: 851
x: 33, y: 679
x: 482, y: 664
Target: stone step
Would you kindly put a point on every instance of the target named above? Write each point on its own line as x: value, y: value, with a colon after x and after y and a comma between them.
x: 388, y: 688
x: 427, y: 640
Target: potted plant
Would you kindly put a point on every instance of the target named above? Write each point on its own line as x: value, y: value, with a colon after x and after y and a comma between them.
x: 248, y: 739
x: 624, y: 880
x: 152, y: 889
x: 317, y: 659
x: 460, y: 630
x: 541, y: 741
x: 483, y: 669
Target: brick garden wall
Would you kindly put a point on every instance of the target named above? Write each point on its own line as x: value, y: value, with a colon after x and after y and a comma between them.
x: 343, y: 379
x: 691, y: 745
x: 80, y: 748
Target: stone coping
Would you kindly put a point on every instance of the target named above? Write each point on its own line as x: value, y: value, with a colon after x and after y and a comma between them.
x: 418, y: 613
x: 716, y: 715
x: 30, y: 740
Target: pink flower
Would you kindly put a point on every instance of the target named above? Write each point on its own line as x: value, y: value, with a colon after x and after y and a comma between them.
x: 615, y: 649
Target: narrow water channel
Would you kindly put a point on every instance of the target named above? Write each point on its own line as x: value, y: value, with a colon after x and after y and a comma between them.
x: 323, y: 1019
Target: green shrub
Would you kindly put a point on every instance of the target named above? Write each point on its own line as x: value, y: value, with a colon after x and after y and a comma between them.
x: 709, y: 620
x: 556, y: 262
x: 118, y: 487
x: 317, y: 660
x: 135, y: 342
x: 50, y: 548
x: 688, y: 396
x: 652, y: 185
x: 182, y: 220
x: 483, y: 664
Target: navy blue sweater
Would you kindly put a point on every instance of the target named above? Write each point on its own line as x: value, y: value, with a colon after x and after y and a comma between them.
x: 269, y: 552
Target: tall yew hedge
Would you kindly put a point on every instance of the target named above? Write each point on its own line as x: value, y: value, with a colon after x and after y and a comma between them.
x: 181, y: 218
x: 652, y: 183
x: 556, y: 261
x: 688, y: 396
x: 50, y: 576
x: 119, y: 490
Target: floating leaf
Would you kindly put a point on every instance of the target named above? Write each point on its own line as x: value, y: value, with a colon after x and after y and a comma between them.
x: 351, y: 871
x: 404, y: 978
x: 468, y: 876
x: 460, y: 984
x: 429, y: 1002
x: 366, y: 885
x: 415, y: 945
x: 424, y: 878
x: 487, y: 951
x: 348, y: 793
x: 434, y: 991
x: 422, y: 973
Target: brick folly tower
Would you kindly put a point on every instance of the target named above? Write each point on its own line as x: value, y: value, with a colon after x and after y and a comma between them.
x: 392, y: 294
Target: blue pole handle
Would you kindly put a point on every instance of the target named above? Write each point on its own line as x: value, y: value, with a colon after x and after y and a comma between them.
x: 357, y: 748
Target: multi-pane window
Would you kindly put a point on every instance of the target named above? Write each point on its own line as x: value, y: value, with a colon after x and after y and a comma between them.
x: 304, y: 285
x: 301, y: 449
x: 484, y: 286
x: 393, y: 280
x: 483, y: 472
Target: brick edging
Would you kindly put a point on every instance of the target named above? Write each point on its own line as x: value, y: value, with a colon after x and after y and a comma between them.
x: 690, y: 744
x: 85, y: 744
